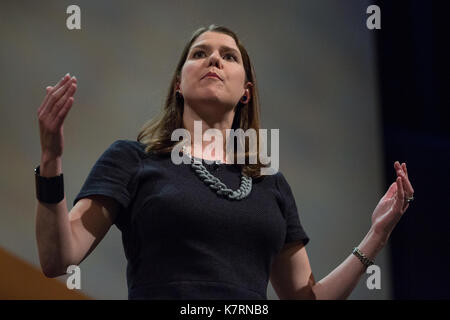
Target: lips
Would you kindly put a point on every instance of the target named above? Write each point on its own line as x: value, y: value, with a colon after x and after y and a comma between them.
x: 212, y: 74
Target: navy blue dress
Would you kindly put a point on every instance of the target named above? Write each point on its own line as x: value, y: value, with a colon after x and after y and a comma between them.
x: 181, y: 239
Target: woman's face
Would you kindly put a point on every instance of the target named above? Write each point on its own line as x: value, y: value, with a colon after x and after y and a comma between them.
x: 213, y: 52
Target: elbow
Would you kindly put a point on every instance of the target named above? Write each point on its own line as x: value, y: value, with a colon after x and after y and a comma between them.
x: 52, y: 272
x: 52, y: 267
x: 49, y: 273
x: 319, y: 292
x: 306, y: 293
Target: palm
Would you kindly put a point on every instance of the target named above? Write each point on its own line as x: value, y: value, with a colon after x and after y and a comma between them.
x: 393, y: 204
x: 388, y: 211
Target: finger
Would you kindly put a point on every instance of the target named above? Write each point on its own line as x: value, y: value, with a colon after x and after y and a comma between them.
x: 49, y: 92
x: 407, y: 187
x: 60, y: 83
x: 56, y: 95
x: 400, y: 195
x: 62, y: 101
x: 402, y: 173
x: 397, y: 166
x: 393, y: 196
x: 63, y: 112
x: 405, y: 203
x: 390, y: 192
x: 406, y: 172
x: 47, y: 89
x: 64, y: 87
x: 404, y: 169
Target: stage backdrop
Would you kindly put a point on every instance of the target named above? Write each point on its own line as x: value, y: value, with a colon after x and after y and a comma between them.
x: 315, y: 64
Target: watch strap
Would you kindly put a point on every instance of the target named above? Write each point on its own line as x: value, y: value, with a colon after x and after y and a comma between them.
x: 366, y: 261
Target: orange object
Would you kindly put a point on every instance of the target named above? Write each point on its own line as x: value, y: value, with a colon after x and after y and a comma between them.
x: 20, y: 280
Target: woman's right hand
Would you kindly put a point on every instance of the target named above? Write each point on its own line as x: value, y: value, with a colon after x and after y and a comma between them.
x: 51, y: 115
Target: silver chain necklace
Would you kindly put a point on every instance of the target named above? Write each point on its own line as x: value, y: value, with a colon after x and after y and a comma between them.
x: 218, y: 186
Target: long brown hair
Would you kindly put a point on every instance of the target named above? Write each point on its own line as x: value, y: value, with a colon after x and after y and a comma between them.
x: 156, y: 133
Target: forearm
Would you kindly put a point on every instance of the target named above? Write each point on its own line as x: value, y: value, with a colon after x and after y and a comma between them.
x: 342, y: 280
x: 53, y: 231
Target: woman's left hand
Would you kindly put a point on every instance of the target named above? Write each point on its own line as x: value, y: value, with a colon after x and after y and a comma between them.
x: 393, y: 204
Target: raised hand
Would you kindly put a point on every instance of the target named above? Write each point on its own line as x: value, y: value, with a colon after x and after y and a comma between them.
x: 51, y: 115
x: 393, y: 204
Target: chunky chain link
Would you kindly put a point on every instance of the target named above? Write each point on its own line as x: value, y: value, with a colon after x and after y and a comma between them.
x: 218, y: 186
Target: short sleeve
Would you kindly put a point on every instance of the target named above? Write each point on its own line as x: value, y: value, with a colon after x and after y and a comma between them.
x: 294, y: 229
x: 113, y: 173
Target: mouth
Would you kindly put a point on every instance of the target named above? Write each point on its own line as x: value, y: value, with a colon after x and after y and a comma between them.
x: 212, y: 75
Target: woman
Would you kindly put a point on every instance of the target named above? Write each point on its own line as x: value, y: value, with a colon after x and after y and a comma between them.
x: 219, y: 231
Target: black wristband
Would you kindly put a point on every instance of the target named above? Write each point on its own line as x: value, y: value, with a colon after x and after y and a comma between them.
x: 49, y: 190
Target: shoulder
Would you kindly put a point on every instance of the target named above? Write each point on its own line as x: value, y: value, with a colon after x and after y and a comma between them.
x: 273, y: 178
x: 283, y: 185
x: 128, y: 145
x: 280, y: 181
x: 128, y: 148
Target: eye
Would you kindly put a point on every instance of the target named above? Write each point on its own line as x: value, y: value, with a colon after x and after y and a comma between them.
x: 231, y: 55
x: 195, y: 53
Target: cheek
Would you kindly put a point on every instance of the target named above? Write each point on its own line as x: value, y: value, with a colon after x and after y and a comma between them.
x: 237, y: 78
x: 189, y: 75
x: 187, y: 68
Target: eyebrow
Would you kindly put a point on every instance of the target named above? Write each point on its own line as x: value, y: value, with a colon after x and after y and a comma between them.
x: 205, y: 46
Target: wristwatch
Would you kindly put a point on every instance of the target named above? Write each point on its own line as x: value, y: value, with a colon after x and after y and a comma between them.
x: 49, y: 190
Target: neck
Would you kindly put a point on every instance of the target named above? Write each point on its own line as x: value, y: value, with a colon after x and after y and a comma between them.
x: 207, y: 149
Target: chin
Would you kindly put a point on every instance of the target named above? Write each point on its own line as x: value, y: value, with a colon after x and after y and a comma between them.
x: 210, y: 96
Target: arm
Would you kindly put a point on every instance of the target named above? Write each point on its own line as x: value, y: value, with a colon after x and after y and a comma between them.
x: 64, y: 238
x: 291, y: 275
x: 292, y: 278
x: 340, y: 283
x: 53, y: 232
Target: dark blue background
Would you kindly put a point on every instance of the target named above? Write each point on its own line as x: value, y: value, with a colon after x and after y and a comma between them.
x: 413, y: 56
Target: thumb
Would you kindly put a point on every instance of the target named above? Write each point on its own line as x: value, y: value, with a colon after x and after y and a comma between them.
x: 390, y: 192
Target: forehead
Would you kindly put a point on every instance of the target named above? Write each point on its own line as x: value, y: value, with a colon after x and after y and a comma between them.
x: 215, y: 39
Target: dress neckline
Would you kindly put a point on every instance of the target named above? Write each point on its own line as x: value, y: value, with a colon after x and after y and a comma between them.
x: 204, y: 161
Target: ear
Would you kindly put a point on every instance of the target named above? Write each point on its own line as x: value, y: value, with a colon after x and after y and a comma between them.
x: 177, y: 84
x: 248, y: 90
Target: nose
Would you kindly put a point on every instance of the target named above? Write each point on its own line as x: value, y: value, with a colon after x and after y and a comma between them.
x: 214, y: 60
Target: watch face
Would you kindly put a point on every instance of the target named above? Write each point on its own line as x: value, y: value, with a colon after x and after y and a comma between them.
x: 36, y: 170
